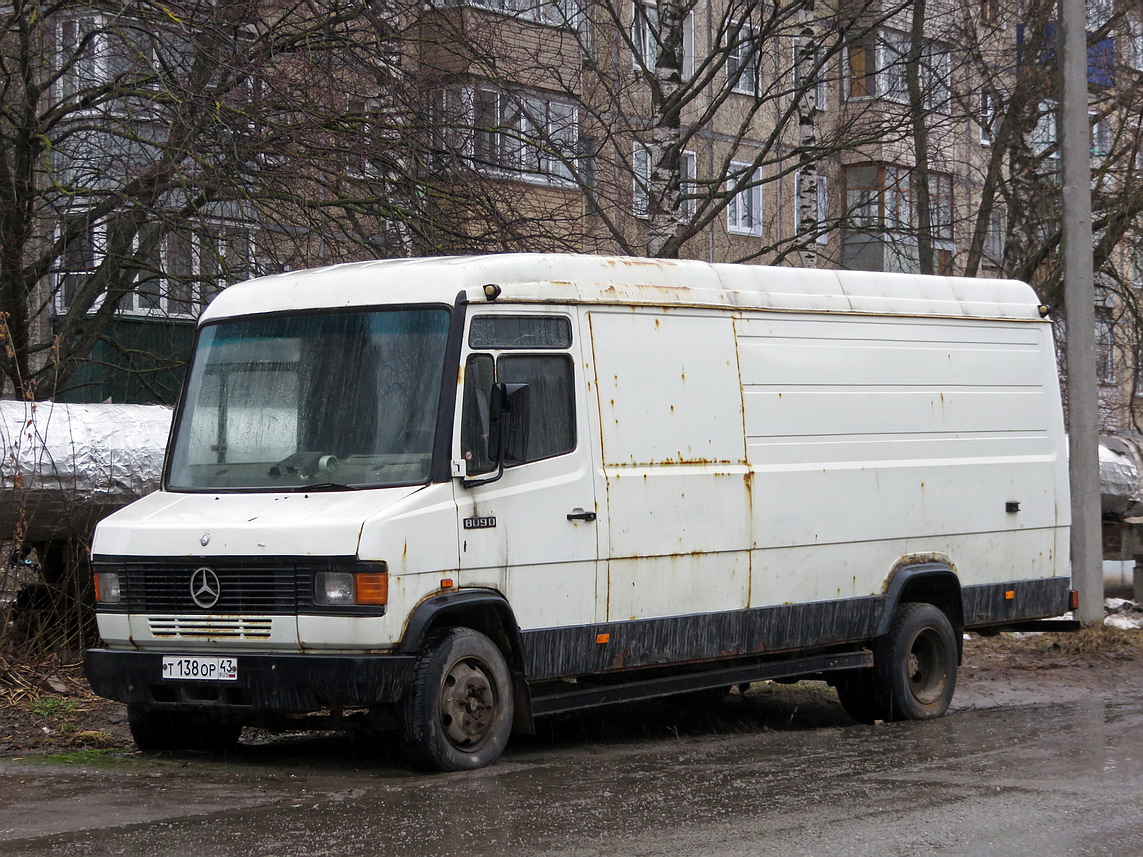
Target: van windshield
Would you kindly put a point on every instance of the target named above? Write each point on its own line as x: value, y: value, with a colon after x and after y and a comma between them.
x: 312, y: 401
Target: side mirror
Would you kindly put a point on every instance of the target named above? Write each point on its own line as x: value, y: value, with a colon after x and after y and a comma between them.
x: 508, y: 423
x: 508, y: 420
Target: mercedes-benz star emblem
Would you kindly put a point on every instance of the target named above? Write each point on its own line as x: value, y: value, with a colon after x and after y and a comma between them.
x: 205, y: 540
x: 204, y: 588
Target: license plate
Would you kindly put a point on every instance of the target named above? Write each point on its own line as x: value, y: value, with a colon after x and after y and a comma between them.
x: 200, y: 669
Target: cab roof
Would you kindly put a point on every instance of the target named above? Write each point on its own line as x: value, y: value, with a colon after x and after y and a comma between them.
x: 630, y: 281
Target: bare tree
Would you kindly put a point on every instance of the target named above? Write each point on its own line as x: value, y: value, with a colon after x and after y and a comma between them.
x: 152, y: 153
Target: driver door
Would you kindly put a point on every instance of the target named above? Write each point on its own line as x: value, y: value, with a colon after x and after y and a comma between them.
x: 533, y: 533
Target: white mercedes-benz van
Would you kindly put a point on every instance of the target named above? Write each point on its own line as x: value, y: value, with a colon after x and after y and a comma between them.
x: 470, y: 491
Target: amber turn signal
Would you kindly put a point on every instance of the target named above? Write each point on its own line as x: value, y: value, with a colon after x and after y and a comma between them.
x: 372, y: 588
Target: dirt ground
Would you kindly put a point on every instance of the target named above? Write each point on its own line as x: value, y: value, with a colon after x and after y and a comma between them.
x: 48, y: 708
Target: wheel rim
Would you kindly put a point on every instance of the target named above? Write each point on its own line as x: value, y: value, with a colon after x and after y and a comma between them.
x: 925, y: 667
x: 468, y: 704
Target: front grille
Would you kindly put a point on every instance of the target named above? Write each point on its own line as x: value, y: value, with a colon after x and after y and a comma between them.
x: 151, y: 587
x: 214, y: 628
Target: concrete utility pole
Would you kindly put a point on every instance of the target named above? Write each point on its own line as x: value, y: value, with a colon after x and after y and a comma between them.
x: 1079, y: 296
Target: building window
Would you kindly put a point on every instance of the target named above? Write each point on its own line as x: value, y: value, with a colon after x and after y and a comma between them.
x: 187, y: 270
x: 556, y: 13
x: 1100, y: 135
x: 743, y: 68
x: 640, y: 180
x: 588, y: 150
x: 876, y: 65
x: 1044, y: 134
x: 885, y: 198
x: 1135, y: 44
x: 646, y: 38
x: 936, y: 74
x: 994, y: 238
x: 941, y: 205
x: 645, y: 33
x: 177, y: 278
x: 823, y: 208
x: 987, y: 118
x: 688, y: 190
x: 495, y: 118
x: 363, y: 114
x: 1105, y: 349
x: 94, y: 52
x: 861, y: 67
x: 744, y: 211
x: 81, y: 256
x: 990, y: 11
x: 1099, y: 12
x: 863, y: 197
x: 894, y: 55
x: 898, y: 198
x: 521, y: 134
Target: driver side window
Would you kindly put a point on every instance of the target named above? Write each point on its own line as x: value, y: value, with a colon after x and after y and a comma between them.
x: 551, y: 382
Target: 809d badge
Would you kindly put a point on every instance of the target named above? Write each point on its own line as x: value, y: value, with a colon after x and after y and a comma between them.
x: 484, y: 523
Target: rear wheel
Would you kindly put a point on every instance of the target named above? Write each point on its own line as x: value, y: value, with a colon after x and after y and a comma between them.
x: 916, y: 663
x: 155, y: 730
x: 914, y: 669
x: 458, y: 714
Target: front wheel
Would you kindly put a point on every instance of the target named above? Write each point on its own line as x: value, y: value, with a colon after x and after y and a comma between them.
x: 458, y: 714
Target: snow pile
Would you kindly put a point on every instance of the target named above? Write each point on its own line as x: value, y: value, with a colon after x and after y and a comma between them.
x: 1124, y: 614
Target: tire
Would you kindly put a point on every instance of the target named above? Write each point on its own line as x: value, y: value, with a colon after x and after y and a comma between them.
x: 458, y: 714
x: 159, y: 730
x: 914, y: 664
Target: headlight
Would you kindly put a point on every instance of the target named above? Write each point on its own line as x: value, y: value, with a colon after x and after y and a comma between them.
x: 107, y: 589
x: 334, y: 587
x: 348, y: 588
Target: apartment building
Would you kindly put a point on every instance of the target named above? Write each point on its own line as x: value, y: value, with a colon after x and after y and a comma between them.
x: 863, y: 134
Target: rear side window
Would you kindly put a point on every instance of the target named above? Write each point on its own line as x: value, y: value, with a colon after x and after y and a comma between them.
x: 520, y: 331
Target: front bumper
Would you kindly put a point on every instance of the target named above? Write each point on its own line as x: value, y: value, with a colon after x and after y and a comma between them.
x: 267, y: 683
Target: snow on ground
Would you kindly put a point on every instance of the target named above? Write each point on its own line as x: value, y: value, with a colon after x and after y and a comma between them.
x: 1124, y: 614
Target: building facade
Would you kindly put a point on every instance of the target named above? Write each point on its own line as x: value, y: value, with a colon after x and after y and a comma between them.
x: 862, y: 134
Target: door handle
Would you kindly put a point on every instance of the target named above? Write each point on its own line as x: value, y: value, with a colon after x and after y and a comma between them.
x: 581, y: 515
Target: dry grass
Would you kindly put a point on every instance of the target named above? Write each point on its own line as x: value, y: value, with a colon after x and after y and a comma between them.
x: 1096, y: 640
x: 27, y: 680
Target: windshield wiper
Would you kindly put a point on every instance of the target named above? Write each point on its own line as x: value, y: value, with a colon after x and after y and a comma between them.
x: 324, y: 486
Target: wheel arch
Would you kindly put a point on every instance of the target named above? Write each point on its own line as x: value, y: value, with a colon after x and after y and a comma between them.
x: 932, y: 582
x: 483, y: 610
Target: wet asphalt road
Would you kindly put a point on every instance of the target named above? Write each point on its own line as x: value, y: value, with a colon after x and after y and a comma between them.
x: 659, y: 779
